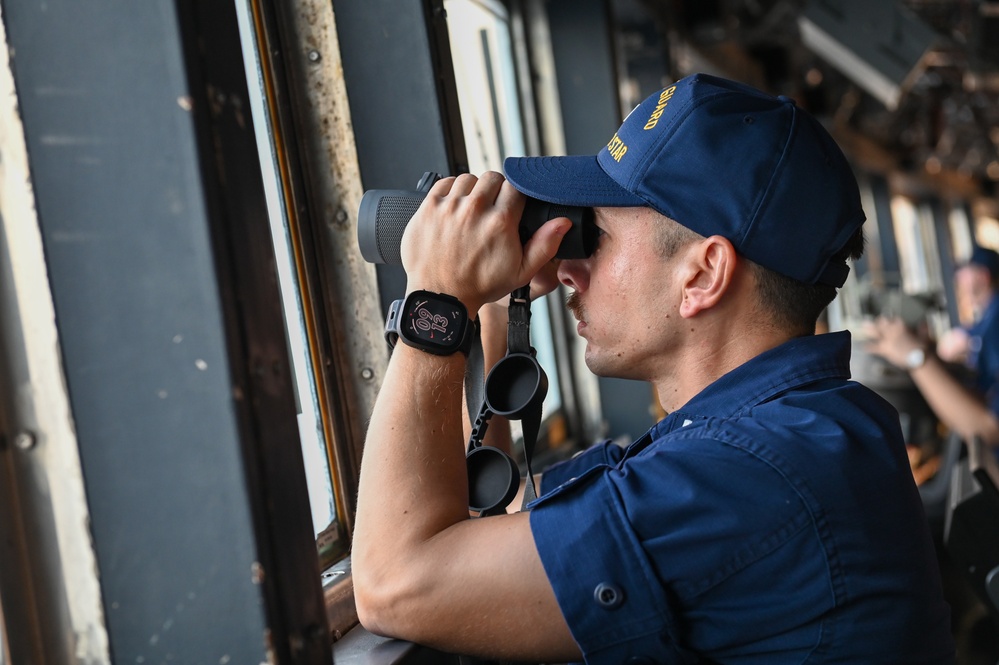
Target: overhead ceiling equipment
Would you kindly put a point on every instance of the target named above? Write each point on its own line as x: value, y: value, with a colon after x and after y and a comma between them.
x: 984, y: 38
x: 879, y: 45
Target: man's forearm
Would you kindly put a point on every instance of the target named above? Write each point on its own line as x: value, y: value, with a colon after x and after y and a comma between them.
x: 413, y: 481
x: 958, y: 408
x: 423, y: 570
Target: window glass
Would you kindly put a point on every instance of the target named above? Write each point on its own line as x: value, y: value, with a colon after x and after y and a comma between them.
x: 479, y: 31
x: 310, y: 426
x: 920, y: 260
x: 987, y: 232
x: 295, y: 300
x: 914, y: 234
x: 960, y: 234
x: 543, y: 341
x: 488, y: 97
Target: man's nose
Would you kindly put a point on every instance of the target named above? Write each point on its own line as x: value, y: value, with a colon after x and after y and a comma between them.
x: 573, y: 273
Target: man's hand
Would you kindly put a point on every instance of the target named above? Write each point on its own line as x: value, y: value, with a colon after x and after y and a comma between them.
x: 464, y: 241
x: 890, y: 339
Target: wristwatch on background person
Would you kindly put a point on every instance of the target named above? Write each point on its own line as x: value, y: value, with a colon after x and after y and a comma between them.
x: 915, y: 358
x: 432, y: 322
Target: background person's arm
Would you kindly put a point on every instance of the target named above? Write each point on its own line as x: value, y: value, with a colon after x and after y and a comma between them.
x: 958, y: 407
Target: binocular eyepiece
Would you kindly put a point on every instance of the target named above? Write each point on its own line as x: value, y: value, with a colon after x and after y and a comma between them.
x: 384, y: 213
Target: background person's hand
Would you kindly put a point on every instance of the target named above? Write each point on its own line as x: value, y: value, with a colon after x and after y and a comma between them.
x: 954, y: 345
x: 891, y: 339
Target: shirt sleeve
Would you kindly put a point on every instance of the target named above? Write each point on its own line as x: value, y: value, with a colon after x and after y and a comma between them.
x: 605, y: 453
x: 615, y: 612
x: 601, y: 538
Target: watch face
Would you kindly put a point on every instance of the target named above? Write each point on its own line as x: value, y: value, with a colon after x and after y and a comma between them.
x: 433, y: 321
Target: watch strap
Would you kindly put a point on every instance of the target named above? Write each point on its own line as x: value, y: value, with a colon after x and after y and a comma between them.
x: 915, y: 358
x: 468, y: 335
x: 392, y: 323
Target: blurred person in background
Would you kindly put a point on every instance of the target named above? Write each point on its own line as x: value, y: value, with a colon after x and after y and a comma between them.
x: 958, y: 376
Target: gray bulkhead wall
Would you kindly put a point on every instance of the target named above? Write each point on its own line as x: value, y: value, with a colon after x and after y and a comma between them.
x: 403, y: 99
x: 169, y: 326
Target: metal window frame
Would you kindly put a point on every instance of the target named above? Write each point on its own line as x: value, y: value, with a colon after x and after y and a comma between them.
x: 174, y: 362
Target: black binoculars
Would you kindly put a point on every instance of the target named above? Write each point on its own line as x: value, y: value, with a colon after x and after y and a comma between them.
x: 384, y: 214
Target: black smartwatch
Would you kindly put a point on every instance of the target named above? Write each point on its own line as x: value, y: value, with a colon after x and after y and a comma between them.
x: 433, y: 322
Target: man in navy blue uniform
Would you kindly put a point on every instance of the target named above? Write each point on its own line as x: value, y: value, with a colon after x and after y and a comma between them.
x: 967, y: 405
x: 771, y: 517
x: 977, y: 280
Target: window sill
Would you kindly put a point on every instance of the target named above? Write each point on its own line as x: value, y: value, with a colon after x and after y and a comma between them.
x: 353, y: 645
x: 359, y: 647
x: 338, y: 595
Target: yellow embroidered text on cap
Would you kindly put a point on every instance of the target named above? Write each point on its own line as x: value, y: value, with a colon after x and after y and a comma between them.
x: 617, y: 148
x: 660, y: 107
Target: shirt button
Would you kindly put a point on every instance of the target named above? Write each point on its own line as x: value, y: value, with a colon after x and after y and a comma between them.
x: 608, y: 596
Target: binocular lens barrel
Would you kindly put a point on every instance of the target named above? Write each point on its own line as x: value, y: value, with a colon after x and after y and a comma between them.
x: 384, y: 213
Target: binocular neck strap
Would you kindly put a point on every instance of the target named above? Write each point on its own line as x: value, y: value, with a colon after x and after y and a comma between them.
x: 518, y: 341
x: 475, y: 378
x: 531, y: 426
x: 518, y: 332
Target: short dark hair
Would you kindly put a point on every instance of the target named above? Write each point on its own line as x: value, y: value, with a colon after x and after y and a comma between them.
x: 671, y: 237
x: 987, y: 259
x: 794, y: 306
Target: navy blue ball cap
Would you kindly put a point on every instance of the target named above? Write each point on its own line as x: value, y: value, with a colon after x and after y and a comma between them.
x: 986, y: 258
x: 720, y: 158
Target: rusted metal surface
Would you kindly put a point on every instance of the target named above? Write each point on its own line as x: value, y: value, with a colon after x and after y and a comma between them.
x: 360, y: 352
x: 327, y: 143
x: 311, y: 131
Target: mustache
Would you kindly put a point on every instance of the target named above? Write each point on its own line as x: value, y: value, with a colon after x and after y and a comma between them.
x: 572, y: 302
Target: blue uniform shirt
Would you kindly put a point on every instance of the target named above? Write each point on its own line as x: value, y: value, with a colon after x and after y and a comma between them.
x: 984, y: 353
x: 773, y: 519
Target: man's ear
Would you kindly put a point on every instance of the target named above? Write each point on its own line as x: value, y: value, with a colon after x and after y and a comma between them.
x: 710, y: 265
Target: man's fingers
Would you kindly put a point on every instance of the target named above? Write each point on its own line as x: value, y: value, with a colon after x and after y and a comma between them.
x: 470, y: 224
x: 546, y: 280
x: 442, y: 187
x: 507, y: 195
x: 486, y: 185
x: 493, y: 182
x: 463, y: 185
x: 542, y: 246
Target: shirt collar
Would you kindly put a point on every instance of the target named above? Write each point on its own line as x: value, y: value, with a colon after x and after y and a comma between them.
x: 794, y: 363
